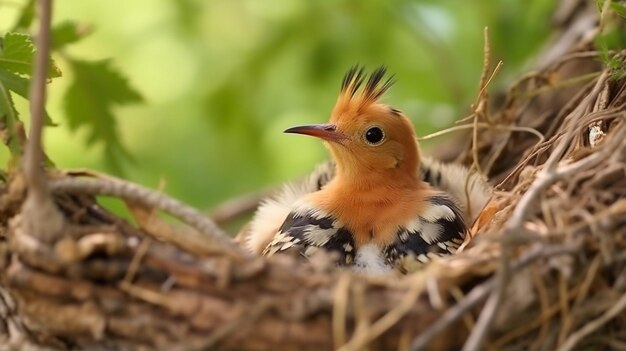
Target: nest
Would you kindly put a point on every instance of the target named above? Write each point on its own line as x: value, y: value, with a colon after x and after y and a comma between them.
x: 544, y: 269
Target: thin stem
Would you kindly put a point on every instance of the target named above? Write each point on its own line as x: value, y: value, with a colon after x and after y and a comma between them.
x: 33, y: 158
x: 42, y: 219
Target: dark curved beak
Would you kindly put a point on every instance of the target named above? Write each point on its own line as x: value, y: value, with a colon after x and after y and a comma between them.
x: 324, y: 131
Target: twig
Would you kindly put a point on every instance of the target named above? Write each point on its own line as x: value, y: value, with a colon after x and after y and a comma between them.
x: 148, y: 295
x: 581, y: 293
x: 481, y: 106
x: 189, y: 240
x: 458, y: 295
x: 246, y: 320
x: 340, y: 310
x: 43, y: 220
x: 594, y: 325
x: 360, y: 340
x: 546, y: 178
x: 483, y: 82
x: 485, y: 125
x: 239, y: 206
x: 137, y: 193
x: 544, y: 302
x: 133, y: 267
x: 482, y: 325
x: 480, y: 292
x: 560, y: 149
x: 561, y: 84
x: 563, y: 300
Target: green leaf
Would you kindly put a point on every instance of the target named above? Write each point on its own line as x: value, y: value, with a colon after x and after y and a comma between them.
x: 11, y: 128
x: 19, y: 85
x: 4, y: 176
x: 26, y: 16
x: 12, y: 136
x: 68, y: 33
x: 15, y: 83
x: 89, y: 101
x: 614, y: 5
x: 17, y: 54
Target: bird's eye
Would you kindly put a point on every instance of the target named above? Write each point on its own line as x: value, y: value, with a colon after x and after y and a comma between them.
x: 374, y: 135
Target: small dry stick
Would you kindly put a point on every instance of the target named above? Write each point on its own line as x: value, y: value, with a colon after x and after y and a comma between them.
x: 566, y: 319
x: 544, y: 302
x: 560, y: 149
x: 485, y: 125
x: 480, y: 106
x: 474, y: 341
x: 340, y: 310
x: 238, y: 207
x: 133, y: 267
x: 360, y: 340
x: 246, y: 320
x: 479, y: 293
x: 594, y: 325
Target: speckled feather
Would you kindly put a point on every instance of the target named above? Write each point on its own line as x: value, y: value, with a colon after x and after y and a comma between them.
x: 437, y: 231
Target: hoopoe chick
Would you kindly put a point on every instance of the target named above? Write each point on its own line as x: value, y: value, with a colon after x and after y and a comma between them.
x: 373, y: 208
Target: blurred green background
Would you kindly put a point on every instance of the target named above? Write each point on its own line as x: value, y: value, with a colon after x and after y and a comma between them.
x: 222, y: 79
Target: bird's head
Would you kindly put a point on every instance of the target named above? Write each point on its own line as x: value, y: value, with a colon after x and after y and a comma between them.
x: 365, y: 136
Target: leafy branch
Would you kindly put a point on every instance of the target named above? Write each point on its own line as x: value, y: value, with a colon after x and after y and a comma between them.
x: 97, y: 87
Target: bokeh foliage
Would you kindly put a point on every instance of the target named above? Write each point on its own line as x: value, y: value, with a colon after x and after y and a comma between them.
x: 193, y: 95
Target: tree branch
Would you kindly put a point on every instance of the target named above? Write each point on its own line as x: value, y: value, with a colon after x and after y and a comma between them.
x: 133, y: 192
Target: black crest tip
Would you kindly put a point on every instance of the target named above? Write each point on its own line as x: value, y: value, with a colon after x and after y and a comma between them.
x: 353, y: 79
x: 377, y: 85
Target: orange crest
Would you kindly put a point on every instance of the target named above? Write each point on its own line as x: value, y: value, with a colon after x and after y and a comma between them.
x: 354, y: 99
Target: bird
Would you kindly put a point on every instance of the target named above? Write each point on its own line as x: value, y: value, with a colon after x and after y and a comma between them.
x: 378, y: 205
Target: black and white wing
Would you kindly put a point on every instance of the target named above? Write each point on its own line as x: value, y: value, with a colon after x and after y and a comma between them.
x: 273, y: 210
x: 306, y: 230
x: 439, y: 230
x: 469, y: 189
